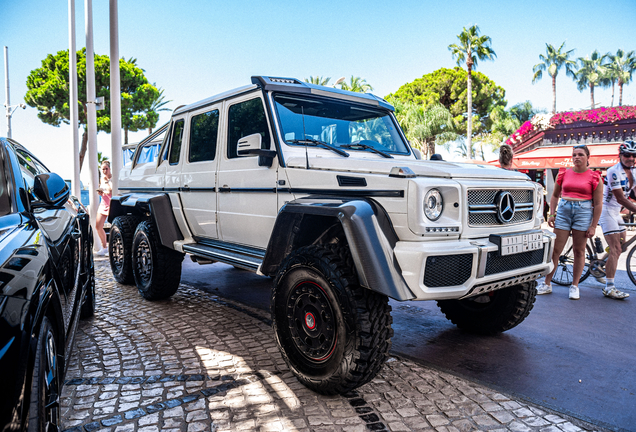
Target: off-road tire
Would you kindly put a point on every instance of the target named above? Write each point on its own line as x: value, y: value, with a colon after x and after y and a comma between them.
x: 44, y: 413
x: 89, y: 301
x: 351, y: 334
x: 120, y: 241
x: 156, y: 268
x: 505, y: 308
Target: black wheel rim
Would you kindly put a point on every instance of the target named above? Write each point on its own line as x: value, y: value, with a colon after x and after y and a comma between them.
x: 311, y: 321
x: 51, y: 383
x: 117, y: 250
x: 144, y: 260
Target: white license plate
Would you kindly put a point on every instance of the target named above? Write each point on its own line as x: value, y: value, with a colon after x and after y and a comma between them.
x: 515, y: 244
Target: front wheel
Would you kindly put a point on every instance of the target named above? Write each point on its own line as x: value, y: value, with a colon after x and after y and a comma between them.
x: 564, y: 272
x: 493, y: 312
x: 333, y: 334
x: 631, y: 265
x: 44, y: 408
x: 156, y: 268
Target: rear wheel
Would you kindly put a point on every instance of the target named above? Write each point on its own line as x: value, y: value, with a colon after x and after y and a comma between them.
x: 565, y: 266
x: 44, y: 410
x: 333, y: 334
x: 156, y: 268
x: 493, y: 312
x: 120, y: 247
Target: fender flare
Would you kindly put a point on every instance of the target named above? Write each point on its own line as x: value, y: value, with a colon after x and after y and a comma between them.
x: 368, y: 231
x: 156, y: 207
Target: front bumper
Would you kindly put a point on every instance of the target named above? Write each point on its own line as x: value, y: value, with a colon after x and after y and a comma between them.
x: 455, y: 269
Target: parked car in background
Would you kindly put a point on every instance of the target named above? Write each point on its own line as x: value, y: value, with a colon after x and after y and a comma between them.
x: 47, y: 283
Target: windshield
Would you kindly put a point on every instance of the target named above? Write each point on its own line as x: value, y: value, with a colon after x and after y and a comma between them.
x: 337, y: 123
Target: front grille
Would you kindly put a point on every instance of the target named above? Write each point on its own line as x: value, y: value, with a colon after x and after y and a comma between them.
x: 482, y: 210
x: 448, y: 270
x: 499, y: 264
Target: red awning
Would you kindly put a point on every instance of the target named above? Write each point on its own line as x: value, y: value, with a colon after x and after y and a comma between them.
x: 601, y: 156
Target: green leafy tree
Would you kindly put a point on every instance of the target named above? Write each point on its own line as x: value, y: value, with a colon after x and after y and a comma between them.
x: 552, y: 62
x: 620, y: 69
x: 48, y: 91
x: 425, y: 127
x: 524, y: 111
x: 590, y: 73
x: 471, y: 49
x: 356, y: 84
x: 449, y: 88
x: 318, y: 80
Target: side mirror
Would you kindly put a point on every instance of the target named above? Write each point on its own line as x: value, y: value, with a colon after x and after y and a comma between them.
x: 251, y: 145
x: 51, y: 189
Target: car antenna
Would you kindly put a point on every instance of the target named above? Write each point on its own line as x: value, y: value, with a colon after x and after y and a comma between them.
x: 302, y: 111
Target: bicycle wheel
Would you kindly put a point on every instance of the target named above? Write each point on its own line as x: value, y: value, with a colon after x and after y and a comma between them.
x: 631, y: 265
x: 564, y: 271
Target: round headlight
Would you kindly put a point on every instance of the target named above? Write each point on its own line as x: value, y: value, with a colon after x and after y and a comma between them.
x: 433, y: 204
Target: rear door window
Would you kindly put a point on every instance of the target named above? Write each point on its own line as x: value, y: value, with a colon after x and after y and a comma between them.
x: 204, y: 130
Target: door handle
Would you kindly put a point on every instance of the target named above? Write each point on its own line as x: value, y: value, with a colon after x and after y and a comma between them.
x: 224, y: 188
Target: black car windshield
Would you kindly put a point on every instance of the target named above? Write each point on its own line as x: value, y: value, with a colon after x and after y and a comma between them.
x: 337, y: 123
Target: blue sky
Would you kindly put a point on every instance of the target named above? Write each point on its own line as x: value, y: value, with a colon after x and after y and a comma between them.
x: 195, y: 49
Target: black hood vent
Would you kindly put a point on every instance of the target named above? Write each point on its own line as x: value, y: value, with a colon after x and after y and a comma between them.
x: 351, y: 181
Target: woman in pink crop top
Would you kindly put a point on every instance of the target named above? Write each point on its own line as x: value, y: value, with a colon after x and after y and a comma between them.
x: 579, y: 209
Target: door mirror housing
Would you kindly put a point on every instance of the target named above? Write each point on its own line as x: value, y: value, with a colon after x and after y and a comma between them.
x: 51, y: 189
x: 251, y: 145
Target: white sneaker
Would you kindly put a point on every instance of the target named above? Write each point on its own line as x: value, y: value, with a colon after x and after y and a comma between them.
x: 102, y: 252
x: 574, y: 292
x: 612, y: 292
x: 544, y: 289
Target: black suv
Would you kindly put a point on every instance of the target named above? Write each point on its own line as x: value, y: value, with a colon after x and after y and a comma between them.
x: 46, y: 284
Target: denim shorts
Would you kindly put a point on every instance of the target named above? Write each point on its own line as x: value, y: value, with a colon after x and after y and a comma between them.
x: 574, y: 215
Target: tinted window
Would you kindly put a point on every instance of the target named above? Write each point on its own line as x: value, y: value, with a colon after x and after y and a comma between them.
x: 204, y: 128
x: 246, y: 118
x: 175, y: 145
x: 30, y: 167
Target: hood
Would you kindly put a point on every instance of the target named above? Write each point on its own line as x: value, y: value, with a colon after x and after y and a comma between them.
x: 421, y: 168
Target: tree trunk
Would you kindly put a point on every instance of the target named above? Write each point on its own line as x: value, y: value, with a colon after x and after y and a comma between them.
x: 469, y: 130
x: 592, y: 95
x: 612, y: 93
x: 430, y: 148
x: 125, y: 136
x: 83, y: 148
x: 620, y: 93
x: 554, y: 94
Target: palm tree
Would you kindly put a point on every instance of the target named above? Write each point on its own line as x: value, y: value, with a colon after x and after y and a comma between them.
x: 470, y: 49
x: 158, y: 104
x: 356, y: 84
x: 620, y: 69
x: 590, y: 73
x: 552, y: 62
x: 318, y: 80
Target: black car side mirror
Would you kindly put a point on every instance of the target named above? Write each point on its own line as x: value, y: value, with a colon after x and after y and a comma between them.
x: 51, y: 189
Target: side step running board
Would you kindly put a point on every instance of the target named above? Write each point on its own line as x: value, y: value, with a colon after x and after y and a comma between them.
x: 245, y: 258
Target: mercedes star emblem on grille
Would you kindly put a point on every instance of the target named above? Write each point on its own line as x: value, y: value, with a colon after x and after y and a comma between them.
x: 505, y: 206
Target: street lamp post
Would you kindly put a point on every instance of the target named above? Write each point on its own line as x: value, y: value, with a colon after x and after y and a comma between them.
x: 10, y: 109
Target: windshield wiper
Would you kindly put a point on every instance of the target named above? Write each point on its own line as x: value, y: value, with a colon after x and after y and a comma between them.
x: 317, y: 143
x: 355, y: 146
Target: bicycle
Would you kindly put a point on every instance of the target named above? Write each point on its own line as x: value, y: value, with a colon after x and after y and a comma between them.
x: 594, y: 263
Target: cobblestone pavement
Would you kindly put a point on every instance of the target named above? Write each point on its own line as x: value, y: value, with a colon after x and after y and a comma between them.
x: 197, y: 362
